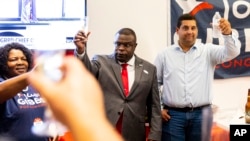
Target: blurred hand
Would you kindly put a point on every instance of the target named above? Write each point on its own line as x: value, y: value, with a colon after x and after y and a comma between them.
x: 77, y: 91
x: 165, y: 115
x: 80, y: 41
x: 76, y: 100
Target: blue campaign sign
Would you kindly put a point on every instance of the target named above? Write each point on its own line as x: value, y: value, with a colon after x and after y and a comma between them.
x: 237, y: 12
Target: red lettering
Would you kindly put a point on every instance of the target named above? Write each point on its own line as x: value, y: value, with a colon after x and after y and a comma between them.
x: 236, y: 63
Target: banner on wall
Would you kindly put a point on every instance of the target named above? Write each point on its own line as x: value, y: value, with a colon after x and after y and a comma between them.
x: 237, y: 12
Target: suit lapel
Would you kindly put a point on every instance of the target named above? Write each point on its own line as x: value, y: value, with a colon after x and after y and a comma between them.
x: 117, y: 71
x: 138, y: 73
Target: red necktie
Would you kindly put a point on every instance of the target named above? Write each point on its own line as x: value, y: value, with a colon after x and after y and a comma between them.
x: 124, y: 75
x: 125, y: 79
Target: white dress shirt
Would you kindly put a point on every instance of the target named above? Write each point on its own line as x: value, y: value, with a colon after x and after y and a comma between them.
x: 131, y: 71
x: 186, y: 78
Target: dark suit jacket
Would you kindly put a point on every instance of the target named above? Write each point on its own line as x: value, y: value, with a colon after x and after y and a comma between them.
x: 143, y: 100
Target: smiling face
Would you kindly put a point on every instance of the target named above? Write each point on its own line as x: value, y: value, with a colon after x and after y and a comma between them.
x: 187, y: 33
x: 17, y: 63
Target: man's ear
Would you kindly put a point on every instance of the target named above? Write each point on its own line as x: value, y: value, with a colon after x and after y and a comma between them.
x: 177, y: 29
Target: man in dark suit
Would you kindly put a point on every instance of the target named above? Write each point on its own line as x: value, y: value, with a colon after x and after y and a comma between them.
x: 127, y: 113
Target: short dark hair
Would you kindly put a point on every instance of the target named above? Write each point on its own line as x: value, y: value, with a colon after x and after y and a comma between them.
x: 4, y: 53
x: 186, y: 16
x: 127, y: 31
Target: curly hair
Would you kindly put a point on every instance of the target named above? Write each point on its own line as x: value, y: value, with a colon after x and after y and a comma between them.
x: 4, y: 53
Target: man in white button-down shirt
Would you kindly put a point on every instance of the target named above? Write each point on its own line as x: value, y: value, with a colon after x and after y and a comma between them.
x: 185, y: 71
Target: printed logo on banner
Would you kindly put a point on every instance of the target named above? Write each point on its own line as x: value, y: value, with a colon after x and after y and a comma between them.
x: 8, y: 37
x: 28, y: 36
x: 237, y: 12
x: 69, y: 39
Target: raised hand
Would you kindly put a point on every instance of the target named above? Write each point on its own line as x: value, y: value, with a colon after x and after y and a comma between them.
x: 80, y: 41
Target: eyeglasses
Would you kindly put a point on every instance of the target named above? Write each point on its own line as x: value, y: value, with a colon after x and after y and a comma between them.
x: 128, y: 44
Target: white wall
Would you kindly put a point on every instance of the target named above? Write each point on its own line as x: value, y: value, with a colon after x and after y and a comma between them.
x: 231, y: 93
x: 148, y: 19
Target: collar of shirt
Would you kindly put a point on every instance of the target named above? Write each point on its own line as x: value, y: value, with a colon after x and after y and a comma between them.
x: 177, y: 47
x: 131, y: 71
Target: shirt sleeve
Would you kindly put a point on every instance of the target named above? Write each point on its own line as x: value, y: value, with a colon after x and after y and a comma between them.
x: 80, y: 56
x: 223, y: 53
